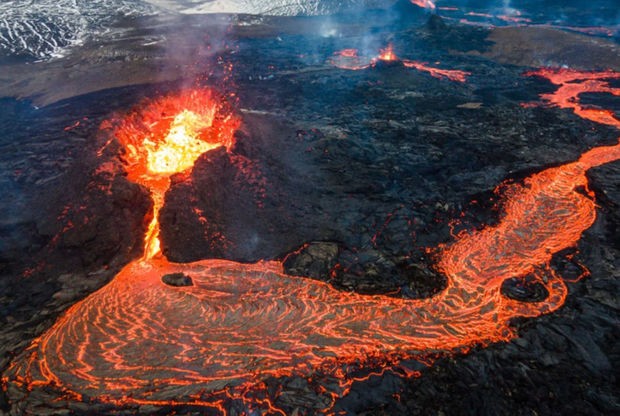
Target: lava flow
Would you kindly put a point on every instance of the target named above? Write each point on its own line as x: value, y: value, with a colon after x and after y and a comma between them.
x: 138, y: 340
x: 350, y: 59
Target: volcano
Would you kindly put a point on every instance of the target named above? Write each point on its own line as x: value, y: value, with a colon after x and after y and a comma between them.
x: 385, y: 215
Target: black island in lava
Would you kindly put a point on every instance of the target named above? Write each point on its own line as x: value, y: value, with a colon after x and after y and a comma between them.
x: 405, y: 207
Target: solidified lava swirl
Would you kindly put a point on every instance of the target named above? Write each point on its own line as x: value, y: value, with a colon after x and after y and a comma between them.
x: 138, y: 340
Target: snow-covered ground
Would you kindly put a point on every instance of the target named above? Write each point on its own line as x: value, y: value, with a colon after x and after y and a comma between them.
x: 44, y: 29
x: 274, y: 7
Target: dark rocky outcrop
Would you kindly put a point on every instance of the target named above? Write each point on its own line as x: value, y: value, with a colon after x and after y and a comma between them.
x: 177, y: 280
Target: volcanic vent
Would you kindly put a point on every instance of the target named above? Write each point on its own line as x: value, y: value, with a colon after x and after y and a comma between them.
x: 166, y: 136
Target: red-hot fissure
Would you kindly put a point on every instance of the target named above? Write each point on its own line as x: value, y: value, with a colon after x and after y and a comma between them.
x: 137, y: 340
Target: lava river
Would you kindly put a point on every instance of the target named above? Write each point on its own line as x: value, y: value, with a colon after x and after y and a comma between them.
x: 138, y: 340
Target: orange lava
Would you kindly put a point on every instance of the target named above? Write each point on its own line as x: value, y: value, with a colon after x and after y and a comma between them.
x: 351, y: 60
x: 427, y: 4
x: 451, y: 74
x: 593, y: 30
x: 348, y: 53
x: 139, y: 341
x: 166, y: 136
x: 574, y: 82
x: 387, y: 54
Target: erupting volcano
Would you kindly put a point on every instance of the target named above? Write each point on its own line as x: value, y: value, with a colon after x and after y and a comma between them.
x: 139, y: 340
x: 350, y: 59
x: 165, y: 137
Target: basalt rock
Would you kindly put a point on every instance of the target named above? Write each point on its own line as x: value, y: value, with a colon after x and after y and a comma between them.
x: 177, y: 279
x: 315, y: 260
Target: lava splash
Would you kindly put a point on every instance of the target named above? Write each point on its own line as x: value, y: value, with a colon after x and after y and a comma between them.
x: 138, y: 340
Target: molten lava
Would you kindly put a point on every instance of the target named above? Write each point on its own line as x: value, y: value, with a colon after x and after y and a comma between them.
x: 387, y: 54
x: 138, y: 340
x: 166, y: 136
x: 351, y: 60
x: 515, y: 17
x: 181, y: 146
x: 572, y: 83
x: 427, y: 4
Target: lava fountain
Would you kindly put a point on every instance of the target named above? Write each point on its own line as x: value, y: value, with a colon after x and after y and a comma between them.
x: 165, y: 137
x: 140, y: 341
x: 351, y: 60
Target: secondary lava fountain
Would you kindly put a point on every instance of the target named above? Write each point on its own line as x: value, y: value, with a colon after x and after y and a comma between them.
x: 350, y: 59
x: 139, y: 341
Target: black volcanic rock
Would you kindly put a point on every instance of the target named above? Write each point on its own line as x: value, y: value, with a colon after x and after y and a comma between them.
x: 247, y: 205
x: 436, y: 24
x: 385, y: 64
x: 524, y: 290
x: 315, y: 260
x: 177, y: 279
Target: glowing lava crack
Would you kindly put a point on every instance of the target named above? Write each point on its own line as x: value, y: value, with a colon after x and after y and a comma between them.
x: 138, y: 340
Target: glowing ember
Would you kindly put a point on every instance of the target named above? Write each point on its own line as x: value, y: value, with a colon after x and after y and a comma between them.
x: 140, y: 341
x: 349, y: 59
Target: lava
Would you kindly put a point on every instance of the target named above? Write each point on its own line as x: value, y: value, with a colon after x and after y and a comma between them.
x: 139, y: 341
x: 387, y: 54
x: 574, y: 82
x: 351, y: 60
x: 451, y: 74
x: 426, y: 4
x: 166, y: 136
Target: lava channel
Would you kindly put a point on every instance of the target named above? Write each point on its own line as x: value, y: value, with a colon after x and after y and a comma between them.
x: 138, y: 340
